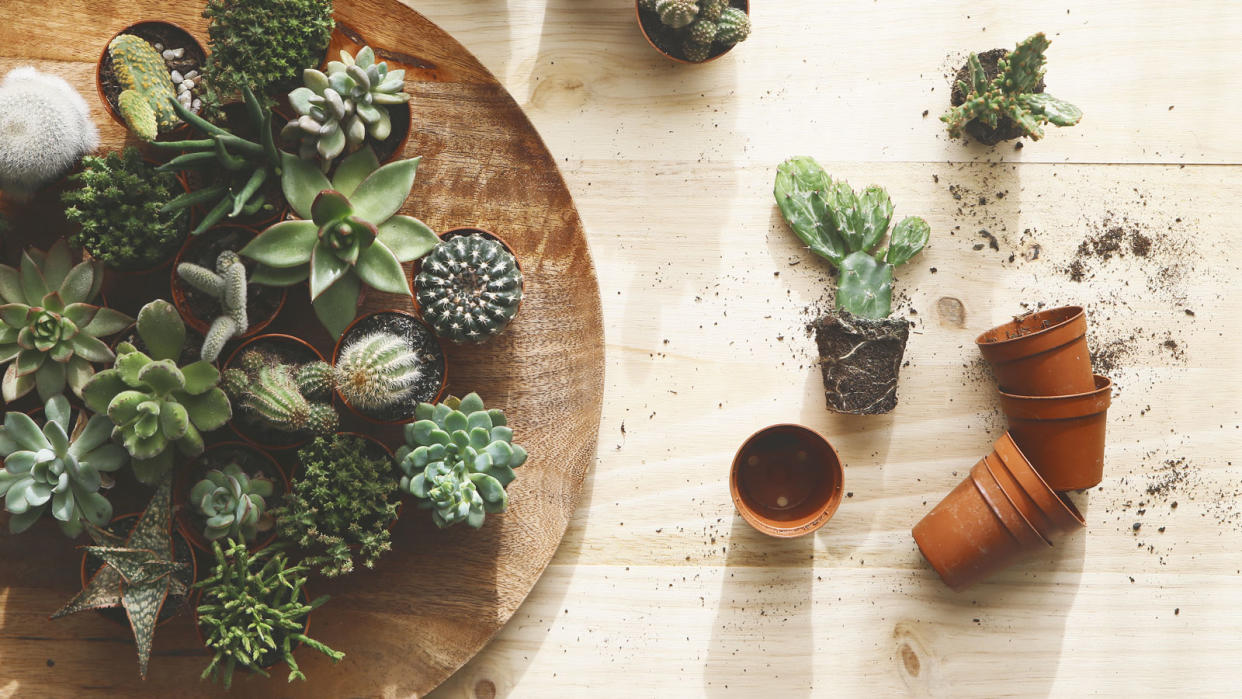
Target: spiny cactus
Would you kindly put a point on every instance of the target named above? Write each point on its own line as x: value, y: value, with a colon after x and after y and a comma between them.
x: 227, y: 285
x: 147, y: 94
x: 701, y: 27
x: 677, y: 13
x: 1011, y: 94
x: 469, y: 288
x: 376, y: 371
x: 458, y: 459
x: 233, y: 503
x: 281, y: 396
x: 841, y: 226
x: 45, y: 127
x: 339, y: 110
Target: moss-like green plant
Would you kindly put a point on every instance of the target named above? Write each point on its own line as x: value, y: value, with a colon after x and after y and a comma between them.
x: 234, y: 503
x: 341, y: 504
x: 118, y: 201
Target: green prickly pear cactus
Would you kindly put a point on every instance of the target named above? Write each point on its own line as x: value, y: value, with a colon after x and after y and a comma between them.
x: 843, y: 226
x: 147, y: 94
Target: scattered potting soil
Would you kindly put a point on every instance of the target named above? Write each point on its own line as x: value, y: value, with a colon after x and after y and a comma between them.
x: 669, y: 40
x: 252, y: 464
x: 244, y: 421
x: 182, y: 553
x: 860, y: 359
x: 423, y: 342
x: 1005, y: 129
x: 170, y: 38
x: 262, y: 302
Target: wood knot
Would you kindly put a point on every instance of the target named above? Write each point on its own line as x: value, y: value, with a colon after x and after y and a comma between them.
x: 910, y: 659
x: 951, y: 312
x: 485, y: 689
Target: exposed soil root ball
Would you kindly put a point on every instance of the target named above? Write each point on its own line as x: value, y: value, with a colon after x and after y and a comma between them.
x: 860, y: 358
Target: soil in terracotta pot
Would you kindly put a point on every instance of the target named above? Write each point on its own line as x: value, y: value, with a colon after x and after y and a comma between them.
x: 181, y: 553
x: 424, y: 344
x: 286, y: 353
x: 1006, y: 129
x: 252, y: 464
x: 261, y: 301
x: 400, y: 116
x: 166, y: 35
x: 860, y: 359
x: 670, y: 40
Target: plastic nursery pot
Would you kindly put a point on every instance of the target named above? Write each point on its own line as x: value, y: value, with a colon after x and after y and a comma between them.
x: 1040, y: 354
x: 345, y: 37
x: 1018, y: 524
x: 90, y: 567
x: 455, y: 232
x: 152, y: 31
x: 1060, y: 513
x: 1062, y: 436
x: 786, y: 480
x: 640, y: 14
x: 293, y: 647
x: 255, y: 461
x: 431, y: 385
x: 287, y: 348
x: 263, y: 303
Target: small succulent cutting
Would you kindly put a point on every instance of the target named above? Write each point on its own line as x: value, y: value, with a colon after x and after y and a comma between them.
x: 377, y: 370
x: 350, y: 234
x: 469, y: 288
x: 227, y: 285
x: 49, y: 329
x: 1014, y: 94
x: 154, y: 403
x: 58, y: 468
x: 458, y: 459
x: 284, y: 397
x: 699, y: 27
x: 45, y: 127
x: 253, y: 611
x: 147, y: 94
x: 233, y: 503
x: 339, y: 110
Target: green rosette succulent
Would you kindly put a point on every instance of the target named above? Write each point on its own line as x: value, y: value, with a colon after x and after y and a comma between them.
x: 349, y: 234
x: 233, y: 503
x: 49, y: 329
x: 458, y: 459
x: 154, y: 403
x: 57, y: 468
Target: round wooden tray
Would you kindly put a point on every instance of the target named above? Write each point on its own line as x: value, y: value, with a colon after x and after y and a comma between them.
x: 438, y: 596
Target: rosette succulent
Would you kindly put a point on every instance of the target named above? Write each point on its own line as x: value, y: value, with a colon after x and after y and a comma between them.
x: 49, y: 329
x: 57, y: 468
x: 458, y: 459
x: 233, y: 503
x: 154, y: 403
x: 349, y: 233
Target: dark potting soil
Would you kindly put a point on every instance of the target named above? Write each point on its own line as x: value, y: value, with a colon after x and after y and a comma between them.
x: 167, y: 35
x: 252, y: 464
x: 423, y: 342
x: 669, y: 40
x: 285, y: 352
x: 181, y: 553
x: 262, y: 302
x: 1005, y: 129
x: 860, y: 359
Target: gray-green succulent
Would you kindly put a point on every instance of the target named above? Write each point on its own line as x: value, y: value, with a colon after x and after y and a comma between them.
x: 233, y: 503
x: 227, y: 285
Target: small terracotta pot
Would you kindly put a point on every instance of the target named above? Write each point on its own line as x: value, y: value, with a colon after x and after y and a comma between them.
x: 1017, y: 494
x: 1040, y: 354
x: 1063, y: 517
x: 194, y: 46
x: 638, y: 15
x: 239, y: 427
x: 1062, y: 436
x: 1005, y: 507
x: 122, y: 619
x: 786, y: 480
x: 178, y: 287
x: 345, y: 336
x: 187, y: 476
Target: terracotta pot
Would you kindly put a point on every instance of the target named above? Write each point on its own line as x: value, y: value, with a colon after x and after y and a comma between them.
x: 1063, y: 517
x: 189, y: 475
x: 117, y: 614
x: 193, y: 46
x: 1004, y: 506
x: 1018, y: 495
x: 1062, y: 436
x: 239, y: 427
x: 1040, y: 354
x: 345, y: 337
x: 638, y: 15
x: 786, y: 480
x: 178, y: 287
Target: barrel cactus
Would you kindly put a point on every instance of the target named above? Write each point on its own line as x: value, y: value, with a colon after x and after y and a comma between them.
x: 227, y: 285
x: 700, y: 28
x: 284, y: 397
x: 147, y: 94
x: 469, y: 288
x: 376, y: 371
x: 45, y: 128
x: 233, y: 503
x: 458, y: 459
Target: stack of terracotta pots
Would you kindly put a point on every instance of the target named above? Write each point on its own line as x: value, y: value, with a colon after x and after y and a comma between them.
x: 1013, y: 502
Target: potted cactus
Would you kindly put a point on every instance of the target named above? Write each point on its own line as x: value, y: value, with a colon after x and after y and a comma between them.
x: 143, y: 70
x: 228, y: 492
x: 693, y: 31
x: 283, y: 392
x: 998, y: 96
x: 385, y: 364
x: 469, y: 288
x: 860, y: 346
x: 45, y: 128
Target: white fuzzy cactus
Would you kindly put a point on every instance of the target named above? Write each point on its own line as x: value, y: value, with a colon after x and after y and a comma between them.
x: 45, y: 127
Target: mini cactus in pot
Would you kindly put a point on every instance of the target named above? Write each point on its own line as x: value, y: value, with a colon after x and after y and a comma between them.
x: 386, y: 363
x: 289, y: 399
x: 694, y: 31
x: 469, y: 287
x: 45, y: 128
x: 860, y: 346
x: 227, y: 285
x: 147, y: 95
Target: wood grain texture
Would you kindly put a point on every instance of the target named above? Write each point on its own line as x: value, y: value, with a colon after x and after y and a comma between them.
x: 435, y: 599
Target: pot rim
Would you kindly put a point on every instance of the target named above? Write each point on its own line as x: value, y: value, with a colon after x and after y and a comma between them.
x: 639, y: 18
x: 229, y: 363
x: 1068, y: 407
x: 1030, y: 514
x: 824, y: 512
x: 181, y: 488
x: 103, y: 54
x: 1071, y: 324
x: 980, y: 471
x: 178, y: 293
x: 336, y: 353
x: 1065, y: 507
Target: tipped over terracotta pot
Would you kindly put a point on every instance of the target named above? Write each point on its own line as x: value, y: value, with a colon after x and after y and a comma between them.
x: 1040, y: 354
x: 1059, y: 511
x: 1062, y: 436
x: 786, y: 480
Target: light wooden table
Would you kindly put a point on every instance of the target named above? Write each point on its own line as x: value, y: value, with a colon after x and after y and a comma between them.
x: 658, y: 588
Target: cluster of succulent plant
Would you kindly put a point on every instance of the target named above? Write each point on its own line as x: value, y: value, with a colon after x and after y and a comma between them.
x: 339, y: 110
x: 262, y: 43
x: 701, y: 26
x: 1014, y: 94
x: 458, y: 459
x: 155, y: 404
x: 49, y: 329
x: 376, y: 370
x: 227, y: 285
x: 45, y: 128
x: 340, y: 505
x: 119, y: 203
x: 147, y: 95
x: 469, y: 288
x: 233, y: 503
x: 253, y: 612
x: 349, y: 233
x: 139, y: 573
x: 285, y: 397
x: 841, y: 226
x: 57, y: 468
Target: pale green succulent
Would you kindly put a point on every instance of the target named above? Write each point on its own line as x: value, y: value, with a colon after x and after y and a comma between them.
x: 233, y: 503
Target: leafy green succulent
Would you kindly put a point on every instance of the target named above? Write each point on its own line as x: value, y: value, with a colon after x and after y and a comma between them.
x: 49, y: 329
x: 233, y: 503
x: 154, y: 403
x: 57, y: 468
x: 458, y: 460
x: 349, y: 233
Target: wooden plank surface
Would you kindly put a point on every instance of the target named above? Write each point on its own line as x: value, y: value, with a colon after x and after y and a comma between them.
x: 658, y: 588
